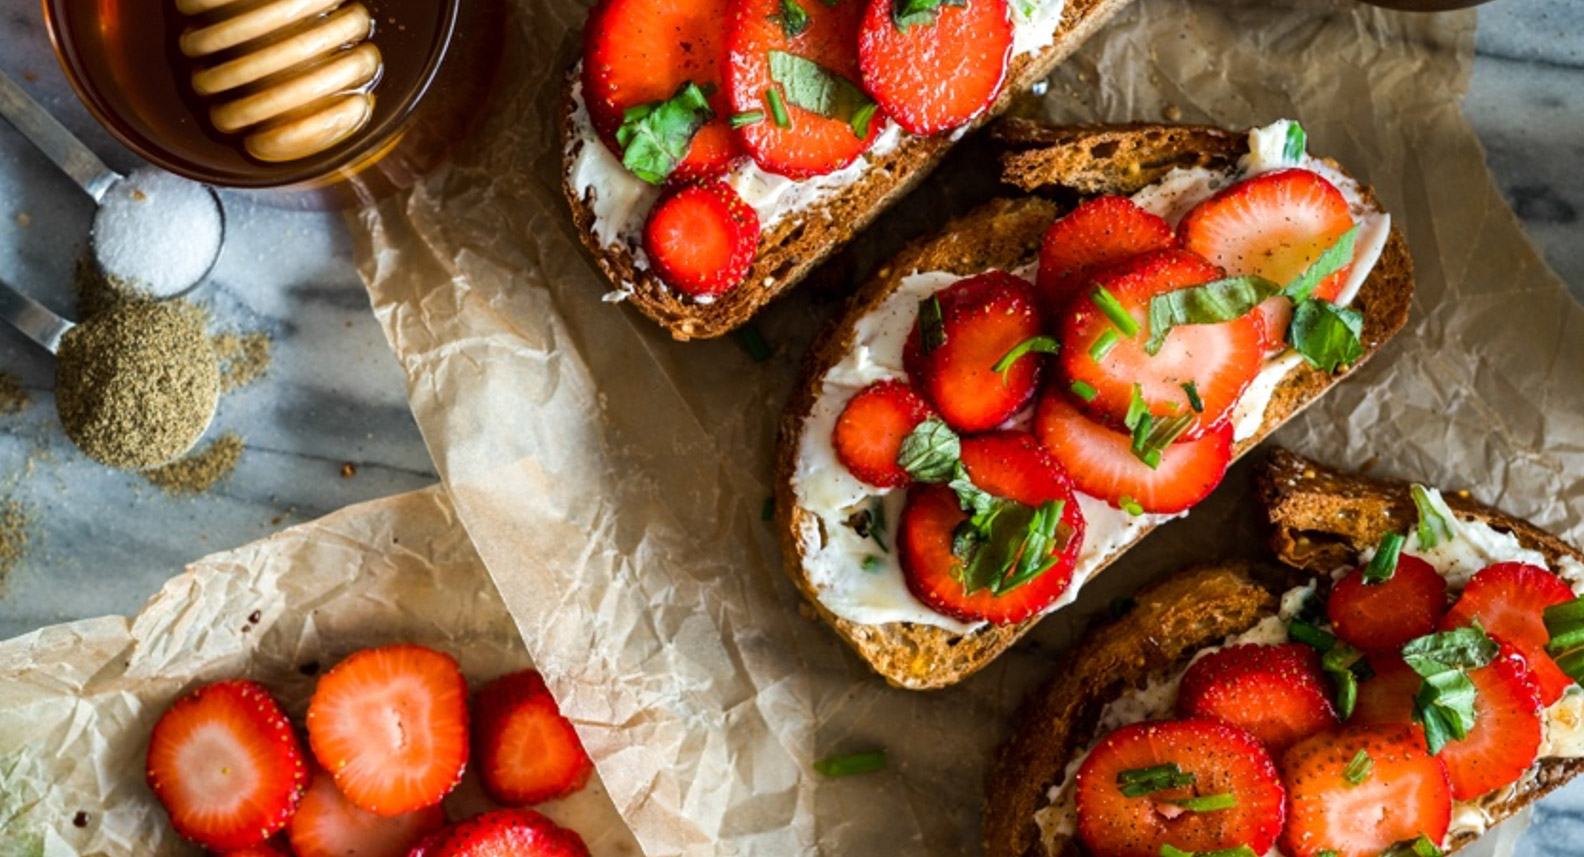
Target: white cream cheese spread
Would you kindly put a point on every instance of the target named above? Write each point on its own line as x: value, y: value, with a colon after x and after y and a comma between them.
x: 1481, y: 545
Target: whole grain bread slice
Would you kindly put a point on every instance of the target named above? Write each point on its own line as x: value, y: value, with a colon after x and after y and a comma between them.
x: 1322, y: 519
x: 1005, y: 234
x: 793, y: 247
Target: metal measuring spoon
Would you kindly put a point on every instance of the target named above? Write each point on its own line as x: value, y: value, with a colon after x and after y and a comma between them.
x: 98, y: 180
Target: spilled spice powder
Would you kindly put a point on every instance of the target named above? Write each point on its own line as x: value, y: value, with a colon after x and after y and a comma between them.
x: 244, y: 358
x: 13, y: 535
x: 199, y: 472
x: 13, y: 398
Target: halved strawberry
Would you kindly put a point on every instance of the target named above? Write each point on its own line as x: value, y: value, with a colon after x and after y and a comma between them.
x: 514, y: 832
x: 1509, y: 599
x: 1382, y: 617
x: 1220, y: 360
x: 1099, y: 232
x: 1507, y: 730
x: 1222, y: 759
x: 525, y: 750
x: 871, y: 428
x: 934, y: 75
x: 637, y: 51
x: 1277, y: 693
x: 1402, y: 794
x: 1276, y: 225
x: 329, y: 825
x: 391, y: 725
x: 982, y: 318
x: 226, y: 765
x: 1102, y: 464
x: 1006, y: 464
x: 701, y: 238
x: 808, y: 144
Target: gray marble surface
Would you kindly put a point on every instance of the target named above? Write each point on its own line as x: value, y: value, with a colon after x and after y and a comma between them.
x: 102, y: 541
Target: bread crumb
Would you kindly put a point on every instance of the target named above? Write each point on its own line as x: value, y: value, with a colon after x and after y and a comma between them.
x: 1173, y: 113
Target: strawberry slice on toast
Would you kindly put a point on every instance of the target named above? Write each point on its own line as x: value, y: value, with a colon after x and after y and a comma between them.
x: 701, y: 238
x: 503, y: 832
x: 1383, y: 617
x: 935, y: 69
x: 1339, y: 803
x: 1509, y: 599
x: 525, y: 750
x: 792, y: 65
x: 391, y: 726
x: 1102, y: 231
x: 871, y: 428
x: 329, y: 825
x: 226, y: 765
x: 1276, y: 693
x: 640, y: 51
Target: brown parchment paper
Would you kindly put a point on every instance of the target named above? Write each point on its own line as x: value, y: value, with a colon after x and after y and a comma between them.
x: 613, y: 480
x: 77, y: 701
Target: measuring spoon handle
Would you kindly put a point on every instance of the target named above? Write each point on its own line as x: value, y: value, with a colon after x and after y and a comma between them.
x: 52, y: 138
x: 37, y: 321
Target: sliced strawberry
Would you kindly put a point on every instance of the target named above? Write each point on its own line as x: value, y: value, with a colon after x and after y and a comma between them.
x: 1005, y: 464
x: 1403, y: 793
x: 637, y: 51
x: 1220, y: 360
x: 701, y: 238
x: 275, y: 846
x: 983, y: 317
x: 227, y: 766
x: 870, y: 431
x: 1509, y: 599
x: 1222, y: 758
x: 1277, y: 693
x: 329, y: 825
x: 1506, y: 735
x: 514, y: 832
x: 932, y: 76
x: 1382, y: 617
x: 1275, y: 225
x: 809, y: 144
x: 1387, y: 696
x: 525, y: 750
x: 1102, y: 231
x: 391, y: 725
x: 1102, y: 464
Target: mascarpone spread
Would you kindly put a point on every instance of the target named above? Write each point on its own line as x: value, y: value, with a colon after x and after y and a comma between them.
x: 1475, y: 544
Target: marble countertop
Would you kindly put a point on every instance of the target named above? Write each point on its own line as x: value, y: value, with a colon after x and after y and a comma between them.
x: 101, y: 541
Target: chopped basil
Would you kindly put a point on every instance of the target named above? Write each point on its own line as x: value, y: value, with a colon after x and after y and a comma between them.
x: 1358, y: 770
x: 1210, y: 303
x: 778, y: 113
x: 1436, y: 522
x: 854, y: 763
x: 753, y: 342
x: 871, y: 562
x: 815, y: 88
x: 1310, y: 635
x: 1460, y: 648
x: 792, y: 18
x: 908, y: 13
x: 1445, y: 701
x: 1343, y: 664
x: 1034, y: 555
x: 1168, y: 850
x: 1194, y: 401
x: 1565, y: 627
x: 1207, y: 803
x: 1137, y: 410
x: 655, y: 136
x: 1084, y: 391
x: 1130, y: 505
x: 1336, y: 257
x: 1138, y: 782
x: 1103, y: 344
x: 930, y: 452
x: 1420, y: 847
x: 1113, y: 309
x: 861, y: 119
x: 1157, y: 437
x: 743, y: 120
x: 1384, y: 563
x: 1293, y: 147
x: 1326, y: 335
x: 1039, y: 344
x: 932, y: 329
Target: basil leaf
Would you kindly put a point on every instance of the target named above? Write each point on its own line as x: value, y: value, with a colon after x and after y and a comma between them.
x: 1210, y: 303
x: 906, y: 14
x: 1445, y: 701
x: 1461, y: 648
x: 1343, y: 663
x: 1003, y: 530
x: 861, y: 119
x: 1436, y: 522
x: 1297, y: 141
x: 1035, y: 555
x: 932, y: 329
x: 656, y: 136
x: 1384, y: 563
x: 977, y: 502
x: 931, y: 452
x: 853, y: 763
x: 814, y: 88
x: 1040, y: 344
x: 1325, y: 334
x: 792, y: 18
x: 1336, y: 257
x: 1565, y: 627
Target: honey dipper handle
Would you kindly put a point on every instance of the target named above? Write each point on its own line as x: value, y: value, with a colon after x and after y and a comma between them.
x: 52, y: 138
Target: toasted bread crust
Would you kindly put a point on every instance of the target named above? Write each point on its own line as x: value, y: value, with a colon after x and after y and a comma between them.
x: 1171, y: 620
x: 1005, y: 234
x: 798, y: 243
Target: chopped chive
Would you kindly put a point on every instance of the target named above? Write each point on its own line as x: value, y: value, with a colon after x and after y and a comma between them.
x: 1193, y: 397
x: 1103, y: 344
x: 932, y: 329
x: 861, y: 118
x: 778, y: 110
x: 1084, y: 391
x: 871, y: 562
x: 854, y: 763
x: 1358, y: 770
x: 1309, y: 635
x: 1139, y: 775
x: 1137, y: 409
x: 1138, y: 782
x: 1207, y: 803
x: 767, y: 511
x: 1384, y: 564
x: 1130, y: 505
x: 1434, y: 526
x: 754, y: 343
x: 1168, y: 850
x: 1040, y: 344
x: 1108, y: 304
x: 743, y: 120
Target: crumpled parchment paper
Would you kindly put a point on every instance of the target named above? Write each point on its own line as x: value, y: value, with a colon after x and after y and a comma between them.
x: 78, y: 701
x: 613, y: 480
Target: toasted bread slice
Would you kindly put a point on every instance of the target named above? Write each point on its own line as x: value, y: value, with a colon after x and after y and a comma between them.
x: 1322, y: 519
x: 792, y: 248
x: 1006, y: 234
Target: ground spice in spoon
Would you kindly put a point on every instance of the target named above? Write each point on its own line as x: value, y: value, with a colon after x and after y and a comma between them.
x: 136, y: 385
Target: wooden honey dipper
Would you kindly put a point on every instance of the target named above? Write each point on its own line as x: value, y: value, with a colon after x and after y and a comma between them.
x: 297, y: 77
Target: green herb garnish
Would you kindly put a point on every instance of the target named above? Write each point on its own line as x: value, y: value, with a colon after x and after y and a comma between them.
x: 1565, y: 626
x: 906, y: 14
x: 1207, y: 803
x: 655, y: 136
x: 778, y: 112
x: 792, y: 18
x: 815, y: 88
x: 861, y: 119
x: 1334, y: 258
x: 1209, y: 303
x: 1194, y: 401
x: 932, y: 329
x: 1293, y: 147
x: 1311, y: 635
x: 1326, y: 335
x: 743, y: 120
x: 1167, y: 850
x: 854, y: 763
x: 1436, y: 523
x: 1103, y: 344
x: 1113, y: 309
x: 1034, y: 344
x: 1137, y: 782
x: 1084, y: 391
x: 931, y: 452
x: 1384, y: 563
x: 1358, y: 770
x: 1445, y: 701
x: 1130, y: 505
